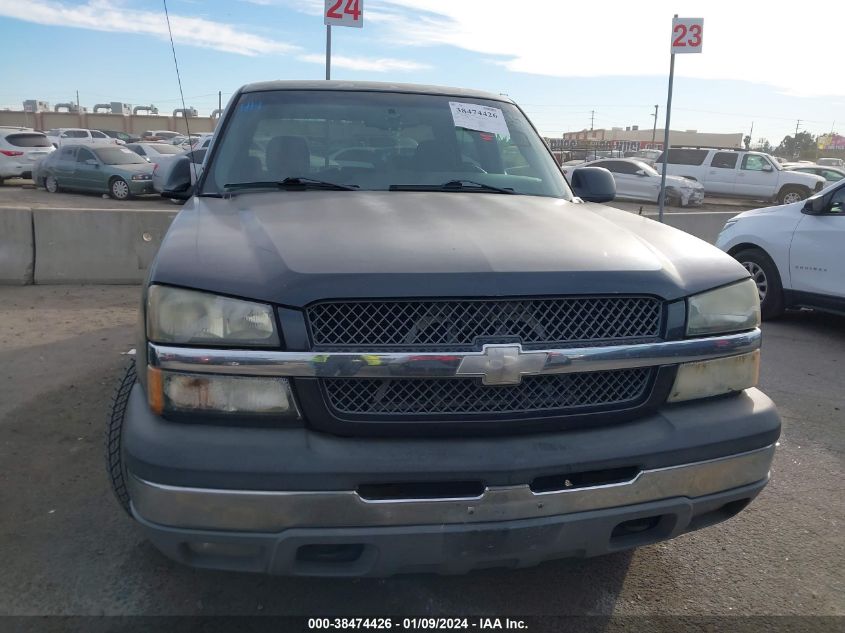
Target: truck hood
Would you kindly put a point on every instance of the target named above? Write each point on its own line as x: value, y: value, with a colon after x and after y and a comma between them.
x: 293, y: 248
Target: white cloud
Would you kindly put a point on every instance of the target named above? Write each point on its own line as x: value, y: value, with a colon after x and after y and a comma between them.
x: 742, y: 40
x: 100, y: 15
x: 378, y: 65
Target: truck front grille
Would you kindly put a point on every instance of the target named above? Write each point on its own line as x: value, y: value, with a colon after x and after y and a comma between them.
x: 563, y: 394
x: 452, y: 325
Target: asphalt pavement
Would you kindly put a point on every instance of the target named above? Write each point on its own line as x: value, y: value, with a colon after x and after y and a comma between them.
x: 67, y: 548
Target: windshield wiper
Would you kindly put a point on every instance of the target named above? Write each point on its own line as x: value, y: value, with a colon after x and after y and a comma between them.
x: 455, y: 185
x: 294, y: 182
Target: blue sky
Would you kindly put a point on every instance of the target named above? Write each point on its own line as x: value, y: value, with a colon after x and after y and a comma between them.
x: 559, y: 60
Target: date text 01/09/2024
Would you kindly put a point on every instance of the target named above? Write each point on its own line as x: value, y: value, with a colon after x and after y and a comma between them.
x: 412, y: 624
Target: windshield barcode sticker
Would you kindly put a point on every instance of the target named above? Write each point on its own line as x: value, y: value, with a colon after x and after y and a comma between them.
x: 478, y: 117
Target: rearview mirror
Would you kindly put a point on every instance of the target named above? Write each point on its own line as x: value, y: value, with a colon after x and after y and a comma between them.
x: 91, y: 161
x: 593, y: 184
x: 641, y: 172
x: 177, y: 184
x: 768, y: 168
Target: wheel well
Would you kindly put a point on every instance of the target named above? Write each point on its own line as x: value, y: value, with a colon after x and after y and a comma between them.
x: 746, y: 246
x: 801, y: 188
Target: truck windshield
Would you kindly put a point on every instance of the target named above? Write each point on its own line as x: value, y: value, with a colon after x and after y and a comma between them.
x: 382, y: 141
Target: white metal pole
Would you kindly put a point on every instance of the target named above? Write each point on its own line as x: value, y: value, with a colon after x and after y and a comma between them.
x: 328, y: 51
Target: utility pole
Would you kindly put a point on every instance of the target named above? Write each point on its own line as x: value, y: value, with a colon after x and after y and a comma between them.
x: 795, y: 152
x: 219, y: 99
x: 78, y: 110
x: 654, y: 129
x: 592, y: 119
x: 751, y: 135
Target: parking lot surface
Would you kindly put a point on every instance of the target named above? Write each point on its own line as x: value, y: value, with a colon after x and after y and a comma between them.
x: 68, y: 548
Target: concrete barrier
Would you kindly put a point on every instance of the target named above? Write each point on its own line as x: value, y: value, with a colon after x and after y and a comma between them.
x: 96, y: 246
x: 117, y: 246
x: 17, y: 255
x: 705, y: 225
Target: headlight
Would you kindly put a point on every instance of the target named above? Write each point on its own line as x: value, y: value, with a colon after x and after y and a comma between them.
x: 715, y: 377
x: 730, y: 309
x: 142, y: 177
x: 189, y: 317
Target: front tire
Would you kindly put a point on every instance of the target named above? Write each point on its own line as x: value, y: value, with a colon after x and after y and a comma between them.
x: 51, y: 184
x: 788, y: 195
x: 115, y: 467
x: 119, y: 189
x: 767, y: 278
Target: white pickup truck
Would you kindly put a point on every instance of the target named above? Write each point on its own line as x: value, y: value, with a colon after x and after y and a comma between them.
x: 740, y: 173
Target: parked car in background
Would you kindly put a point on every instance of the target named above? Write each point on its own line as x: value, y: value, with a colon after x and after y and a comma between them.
x: 202, y: 141
x: 793, y: 252
x: 121, y: 136
x: 118, y: 171
x: 158, y: 135
x: 162, y: 171
x: 740, y: 173
x: 636, y: 180
x: 78, y: 136
x: 20, y: 149
x: 156, y: 152
x: 648, y: 155
x: 830, y: 174
x: 183, y: 141
x: 831, y: 162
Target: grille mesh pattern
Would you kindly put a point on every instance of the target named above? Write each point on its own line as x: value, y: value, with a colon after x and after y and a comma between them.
x: 456, y: 324
x: 411, y: 396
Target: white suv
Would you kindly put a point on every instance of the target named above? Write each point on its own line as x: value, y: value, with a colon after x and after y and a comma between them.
x: 79, y: 136
x: 20, y: 149
x: 740, y: 173
x: 793, y: 252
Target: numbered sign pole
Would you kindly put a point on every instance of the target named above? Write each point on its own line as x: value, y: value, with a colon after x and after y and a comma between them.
x: 662, y: 200
x: 687, y: 37
x: 328, y: 51
x: 340, y: 13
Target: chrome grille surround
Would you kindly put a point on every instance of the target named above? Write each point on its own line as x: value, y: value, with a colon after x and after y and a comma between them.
x: 449, y: 325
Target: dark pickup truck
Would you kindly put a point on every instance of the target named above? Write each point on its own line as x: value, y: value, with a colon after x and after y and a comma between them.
x: 386, y: 335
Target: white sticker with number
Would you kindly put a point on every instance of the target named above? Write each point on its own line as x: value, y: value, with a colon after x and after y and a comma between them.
x: 478, y: 117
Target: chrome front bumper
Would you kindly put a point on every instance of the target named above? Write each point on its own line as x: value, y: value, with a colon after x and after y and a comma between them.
x: 275, y: 511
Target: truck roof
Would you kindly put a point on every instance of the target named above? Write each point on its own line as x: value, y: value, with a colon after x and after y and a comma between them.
x: 372, y: 86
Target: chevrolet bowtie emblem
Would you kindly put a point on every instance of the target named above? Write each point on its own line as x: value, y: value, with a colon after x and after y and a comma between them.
x: 502, y: 364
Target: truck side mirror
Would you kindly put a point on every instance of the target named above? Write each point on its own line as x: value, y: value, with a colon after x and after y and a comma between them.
x: 593, y: 184
x: 177, y: 185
